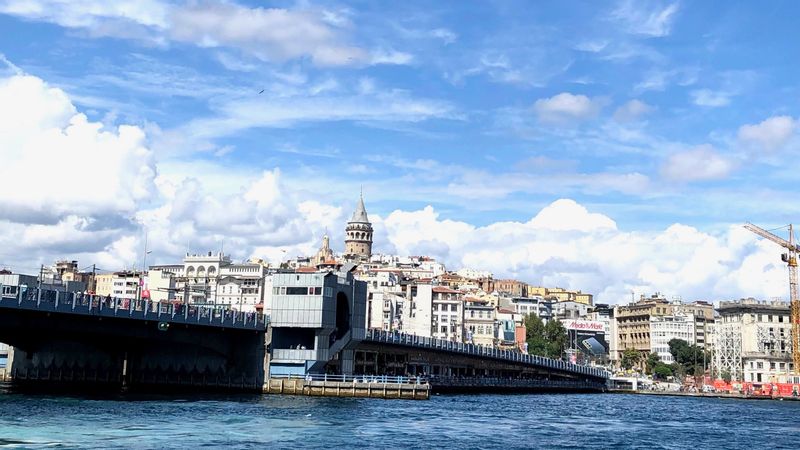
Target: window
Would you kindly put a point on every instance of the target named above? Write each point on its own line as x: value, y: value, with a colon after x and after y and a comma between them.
x: 443, y: 329
x: 772, y: 366
x: 328, y: 292
x: 453, y: 307
x: 294, y: 290
x: 759, y: 365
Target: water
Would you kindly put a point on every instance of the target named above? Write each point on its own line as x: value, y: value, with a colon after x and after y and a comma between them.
x: 463, y: 422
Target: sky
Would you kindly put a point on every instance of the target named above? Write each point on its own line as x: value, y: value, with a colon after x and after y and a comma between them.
x: 611, y: 147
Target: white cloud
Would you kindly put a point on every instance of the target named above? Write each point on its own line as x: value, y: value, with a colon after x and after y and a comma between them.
x: 654, y: 21
x: 270, y: 34
x: 391, y: 57
x: 67, y: 164
x: 700, y: 163
x: 447, y: 36
x: 566, y: 108
x: 709, y: 98
x: 771, y: 134
x: 632, y: 110
x: 565, y: 245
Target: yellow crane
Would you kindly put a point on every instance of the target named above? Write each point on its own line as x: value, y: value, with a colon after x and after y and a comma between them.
x: 790, y: 259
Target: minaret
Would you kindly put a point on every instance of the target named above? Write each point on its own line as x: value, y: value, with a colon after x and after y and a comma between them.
x: 358, y: 234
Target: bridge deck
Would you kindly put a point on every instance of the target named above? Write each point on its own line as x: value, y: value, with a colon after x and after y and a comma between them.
x: 93, y: 305
x: 410, y: 340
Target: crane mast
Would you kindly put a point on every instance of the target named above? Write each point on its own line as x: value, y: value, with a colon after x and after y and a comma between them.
x: 790, y: 258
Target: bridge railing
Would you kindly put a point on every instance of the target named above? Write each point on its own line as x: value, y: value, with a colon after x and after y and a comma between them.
x: 79, y: 303
x: 385, y: 379
x: 513, y: 382
x: 391, y: 337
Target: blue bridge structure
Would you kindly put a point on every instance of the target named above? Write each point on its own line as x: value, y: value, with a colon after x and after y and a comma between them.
x: 75, y: 339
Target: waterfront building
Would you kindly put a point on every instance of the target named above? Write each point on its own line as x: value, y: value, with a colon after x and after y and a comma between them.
x: 753, y: 342
x: 665, y: 328
x: 634, y: 324
x: 314, y: 317
x: 358, y: 235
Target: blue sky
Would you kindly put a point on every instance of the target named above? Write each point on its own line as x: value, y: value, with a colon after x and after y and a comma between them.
x: 649, y: 113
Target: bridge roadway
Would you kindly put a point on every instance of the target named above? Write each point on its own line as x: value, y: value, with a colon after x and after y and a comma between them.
x: 84, y: 339
x: 455, y: 366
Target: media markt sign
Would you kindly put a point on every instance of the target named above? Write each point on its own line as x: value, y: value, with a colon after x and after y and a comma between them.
x: 585, y: 325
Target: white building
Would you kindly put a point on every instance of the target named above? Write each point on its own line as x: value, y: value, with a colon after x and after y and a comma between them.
x: 417, y: 314
x: 473, y: 274
x: 666, y: 328
x: 447, y: 314
x: 210, y: 279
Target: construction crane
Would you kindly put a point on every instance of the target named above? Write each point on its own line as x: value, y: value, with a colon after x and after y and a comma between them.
x: 790, y: 258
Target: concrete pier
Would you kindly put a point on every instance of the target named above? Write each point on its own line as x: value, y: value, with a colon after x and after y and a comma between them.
x: 338, y: 386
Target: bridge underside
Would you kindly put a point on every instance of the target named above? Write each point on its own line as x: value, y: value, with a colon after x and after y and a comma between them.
x: 115, y: 353
x: 450, y: 372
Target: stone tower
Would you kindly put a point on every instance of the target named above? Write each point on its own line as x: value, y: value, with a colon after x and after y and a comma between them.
x: 358, y: 235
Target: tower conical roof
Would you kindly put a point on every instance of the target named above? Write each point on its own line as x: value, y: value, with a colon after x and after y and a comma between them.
x: 360, y: 214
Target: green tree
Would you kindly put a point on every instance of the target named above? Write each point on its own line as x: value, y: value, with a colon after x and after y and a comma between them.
x: 630, y: 358
x: 662, y: 371
x: 726, y: 375
x: 689, y: 357
x: 535, y: 335
x: 652, y: 361
x: 556, y: 336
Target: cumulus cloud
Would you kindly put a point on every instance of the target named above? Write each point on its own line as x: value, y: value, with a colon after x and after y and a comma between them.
x: 632, y: 111
x: 566, y: 108
x: 66, y: 163
x: 270, y: 34
x: 566, y: 245
x: 771, y: 134
x: 700, y: 163
x: 645, y: 18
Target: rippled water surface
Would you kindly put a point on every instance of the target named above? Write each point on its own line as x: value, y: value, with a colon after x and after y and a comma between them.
x: 473, y: 421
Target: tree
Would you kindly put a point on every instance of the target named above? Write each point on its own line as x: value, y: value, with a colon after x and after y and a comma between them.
x: 535, y: 335
x: 630, y: 358
x: 662, y: 371
x: 556, y: 336
x: 548, y: 340
x: 726, y: 375
x: 689, y: 357
x: 652, y: 361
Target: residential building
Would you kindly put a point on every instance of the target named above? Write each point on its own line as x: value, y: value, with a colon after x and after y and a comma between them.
x: 569, y: 310
x: 447, y: 314
x: 473, y: 274
x: 479, y: 322
x: 532, y: 305
x: 753, y: 342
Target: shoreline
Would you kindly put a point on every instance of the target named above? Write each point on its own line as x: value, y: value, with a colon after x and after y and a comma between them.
x: 705, y: 395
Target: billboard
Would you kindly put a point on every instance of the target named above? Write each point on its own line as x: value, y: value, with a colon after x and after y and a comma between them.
x: 587, y: 337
